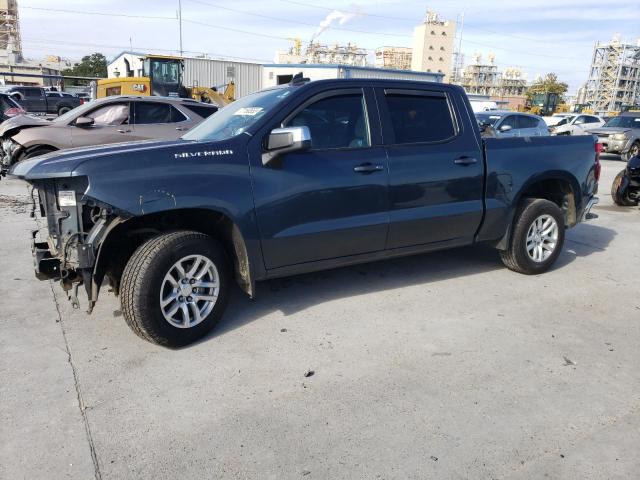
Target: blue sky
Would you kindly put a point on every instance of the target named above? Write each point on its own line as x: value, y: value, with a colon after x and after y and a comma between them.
x: 539, y: 37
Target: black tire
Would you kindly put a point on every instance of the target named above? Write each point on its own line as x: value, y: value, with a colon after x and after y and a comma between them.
x: 142, y: 281
x: 516, y: 257
x: 36, y: 152
x: 63, y: 110
x: 619, y: 192
x: 634, y: 151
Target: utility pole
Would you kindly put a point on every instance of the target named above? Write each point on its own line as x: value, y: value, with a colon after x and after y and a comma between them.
x: 180, y: 24
x: 459, y: 59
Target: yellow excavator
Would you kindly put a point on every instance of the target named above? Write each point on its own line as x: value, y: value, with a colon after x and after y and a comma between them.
x: 162, y: 75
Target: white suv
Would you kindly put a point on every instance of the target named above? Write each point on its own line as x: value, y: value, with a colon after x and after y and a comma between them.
x: 576, y: 125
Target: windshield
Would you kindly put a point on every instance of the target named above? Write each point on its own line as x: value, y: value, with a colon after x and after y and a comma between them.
x: 624, y: 122
x: 487, y: 118
x: 238, y: 116
x: 564, y: 121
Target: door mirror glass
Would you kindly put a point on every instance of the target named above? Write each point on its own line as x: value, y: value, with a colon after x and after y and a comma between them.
x: 286, y: 140
x: 84, y: 122
x: 505, y: 128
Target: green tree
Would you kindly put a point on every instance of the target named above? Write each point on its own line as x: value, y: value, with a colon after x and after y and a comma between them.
x: 94, y: 65
x: 547, y: 84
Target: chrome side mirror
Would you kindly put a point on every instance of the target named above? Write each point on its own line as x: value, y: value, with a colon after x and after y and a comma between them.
x: 286, y: 140
x: 505, y: 128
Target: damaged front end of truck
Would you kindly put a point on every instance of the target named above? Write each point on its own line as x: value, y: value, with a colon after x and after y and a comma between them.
x: 75, y: 230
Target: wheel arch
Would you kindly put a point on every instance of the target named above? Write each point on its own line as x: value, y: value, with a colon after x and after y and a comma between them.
x: 26, y: 150
x: 558, y: 187
x: 123, y: 236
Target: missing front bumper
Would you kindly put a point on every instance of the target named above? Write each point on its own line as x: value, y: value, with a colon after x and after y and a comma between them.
x: 47, y: 267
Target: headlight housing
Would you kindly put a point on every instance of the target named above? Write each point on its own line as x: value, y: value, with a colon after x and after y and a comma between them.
x: 8, y: 147
x: 619, y: 136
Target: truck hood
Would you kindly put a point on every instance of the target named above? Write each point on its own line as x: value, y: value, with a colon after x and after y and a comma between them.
x: 608, y: 130
x: 65, y: 162
x: 15, y: 124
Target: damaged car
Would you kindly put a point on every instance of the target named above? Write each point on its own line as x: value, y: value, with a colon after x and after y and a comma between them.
x: 110, y: 120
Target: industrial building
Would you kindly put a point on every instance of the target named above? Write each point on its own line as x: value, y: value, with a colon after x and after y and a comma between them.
x: 614, y: 78
x: 278, y: 74
x: 433, y: 46
x: 319, y: 54
x: 397, y: 58
x: 11, y: 59
x: 507, y: 88
x: 203, y: 72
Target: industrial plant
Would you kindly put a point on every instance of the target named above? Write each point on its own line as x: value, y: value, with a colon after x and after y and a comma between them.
x: 614, y: 78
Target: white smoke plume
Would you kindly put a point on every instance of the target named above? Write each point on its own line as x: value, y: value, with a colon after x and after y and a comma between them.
x: 334, y: 16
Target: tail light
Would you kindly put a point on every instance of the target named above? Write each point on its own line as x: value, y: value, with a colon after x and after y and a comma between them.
x: 13, y: 111
x: 598, y: 148
x: 81, y: 101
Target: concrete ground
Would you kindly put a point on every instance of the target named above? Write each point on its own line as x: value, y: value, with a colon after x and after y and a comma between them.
x: 443, y: 366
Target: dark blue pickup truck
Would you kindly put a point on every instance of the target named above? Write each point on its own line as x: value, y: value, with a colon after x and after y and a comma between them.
x: 302, y: 177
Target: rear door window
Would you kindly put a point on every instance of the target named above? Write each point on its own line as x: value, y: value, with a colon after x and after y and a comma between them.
x: 32, y: 93
x: 335, y: 122
x: 420, y: 117
x: 147, y: 113
x: 527, y: 122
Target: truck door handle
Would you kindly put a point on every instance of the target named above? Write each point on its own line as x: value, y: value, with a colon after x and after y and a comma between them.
x: 122, y: 130
x: 182, y: 129
x: 368, y: 168
x: 464, y: 161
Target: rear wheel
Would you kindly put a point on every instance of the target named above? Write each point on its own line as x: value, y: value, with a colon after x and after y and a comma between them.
x: 619, y: 191
x: 537, y: 237
x: 63, y: 110
x: 175, y: 288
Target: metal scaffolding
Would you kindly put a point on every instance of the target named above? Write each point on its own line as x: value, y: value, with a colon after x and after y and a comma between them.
x: 10, y: 42
x: 614, y: 79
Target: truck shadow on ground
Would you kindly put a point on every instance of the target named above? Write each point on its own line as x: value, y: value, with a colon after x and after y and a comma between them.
x: 294, y: 294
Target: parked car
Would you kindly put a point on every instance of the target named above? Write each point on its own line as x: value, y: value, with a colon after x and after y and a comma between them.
x: 39, y: 100
x: 108, y: 120
x: 9, y: 108
x: 511, y: 124
x: 576, y: 125
x: 297, y: 178
x: 556, y: 118
x: 621, y: 135
x: 53, y: 96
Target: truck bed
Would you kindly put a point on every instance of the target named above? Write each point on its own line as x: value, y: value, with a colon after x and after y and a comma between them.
x: 514, y: 163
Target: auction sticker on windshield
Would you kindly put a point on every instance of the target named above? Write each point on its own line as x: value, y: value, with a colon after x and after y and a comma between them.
x: 249, y: 111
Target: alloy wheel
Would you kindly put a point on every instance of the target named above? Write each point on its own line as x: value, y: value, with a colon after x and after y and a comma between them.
x: 189, y: 291
x: 542, y: 238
